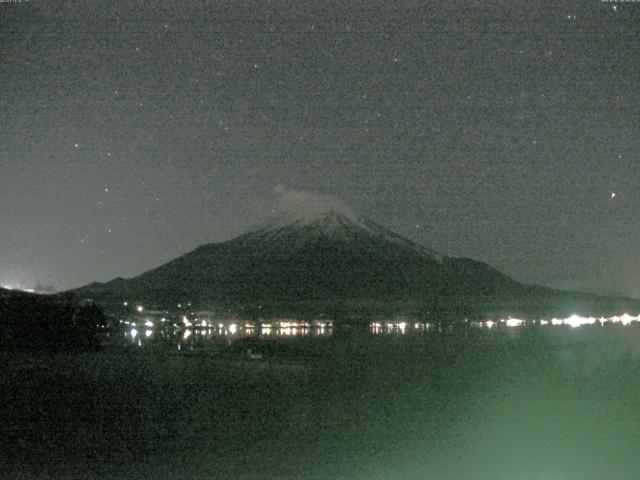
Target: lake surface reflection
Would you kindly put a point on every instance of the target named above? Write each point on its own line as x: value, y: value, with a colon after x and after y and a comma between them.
x: 191, y: 334
x: 140, y: 333
x: 292, y: 399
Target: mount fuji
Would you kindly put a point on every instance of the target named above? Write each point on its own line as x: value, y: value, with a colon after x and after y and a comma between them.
x: 319, y: 256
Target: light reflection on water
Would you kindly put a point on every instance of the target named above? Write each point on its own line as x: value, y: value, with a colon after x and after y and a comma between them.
x: 229, y: 330
x: 398, y: 327
x: 236, y: 329
x: 573, y: 321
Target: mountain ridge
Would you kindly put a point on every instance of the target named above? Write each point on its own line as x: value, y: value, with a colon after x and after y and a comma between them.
x: 327, y: 256
x: 331, y: 262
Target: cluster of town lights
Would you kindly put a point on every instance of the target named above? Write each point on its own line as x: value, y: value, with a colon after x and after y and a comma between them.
x: 572, y: 321
x: 186, y: 328
x: 294, y: 328
x: 399, y: 327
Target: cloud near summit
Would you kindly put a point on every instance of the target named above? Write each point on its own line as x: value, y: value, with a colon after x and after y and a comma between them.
x: 305, y: 204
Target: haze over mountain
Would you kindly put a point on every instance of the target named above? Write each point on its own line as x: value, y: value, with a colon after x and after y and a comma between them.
x: 317, y: 252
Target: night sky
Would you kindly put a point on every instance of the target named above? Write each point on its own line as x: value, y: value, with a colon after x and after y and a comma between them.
x: 132, y: 132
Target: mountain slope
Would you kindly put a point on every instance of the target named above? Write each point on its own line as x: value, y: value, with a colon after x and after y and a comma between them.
x: 323, y: 255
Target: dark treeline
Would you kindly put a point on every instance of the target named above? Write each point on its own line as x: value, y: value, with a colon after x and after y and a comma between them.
x: 33, y: 322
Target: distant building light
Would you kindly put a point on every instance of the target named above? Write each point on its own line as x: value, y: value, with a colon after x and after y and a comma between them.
x: 514, y: 322
x: 140, y: 308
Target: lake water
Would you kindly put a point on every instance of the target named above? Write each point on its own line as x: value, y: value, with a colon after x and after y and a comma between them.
x: 386, y: 400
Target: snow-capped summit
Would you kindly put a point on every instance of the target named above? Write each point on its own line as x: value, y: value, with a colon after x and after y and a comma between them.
x: 303, y: 208
x: 327, y: 223
x: 307, y: 216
